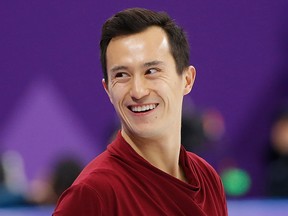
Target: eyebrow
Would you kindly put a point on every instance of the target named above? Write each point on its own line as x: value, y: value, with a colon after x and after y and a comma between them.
x: 147, y: 64
x: 117, y: 68
x: 153, y: 63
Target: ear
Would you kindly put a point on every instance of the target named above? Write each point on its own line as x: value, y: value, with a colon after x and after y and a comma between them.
x: 189, y: 78
x: 104, y: 84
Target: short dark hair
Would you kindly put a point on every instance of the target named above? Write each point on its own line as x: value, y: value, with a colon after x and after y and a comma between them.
x: 135, y: 20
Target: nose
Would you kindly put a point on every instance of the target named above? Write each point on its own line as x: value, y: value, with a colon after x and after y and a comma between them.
x: 139, y: 88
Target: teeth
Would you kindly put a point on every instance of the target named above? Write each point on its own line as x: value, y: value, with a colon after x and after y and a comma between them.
x: 143, y: 108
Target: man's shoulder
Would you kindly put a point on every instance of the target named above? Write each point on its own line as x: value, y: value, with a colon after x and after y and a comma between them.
x: 197, y: 159
x: 94, y: 185
x: 103, y: 161
x: 98, y: 182
x: 201, y: 165
x: 101, y: 169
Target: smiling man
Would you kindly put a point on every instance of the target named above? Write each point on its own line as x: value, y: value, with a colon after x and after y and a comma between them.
x: 145, y: 170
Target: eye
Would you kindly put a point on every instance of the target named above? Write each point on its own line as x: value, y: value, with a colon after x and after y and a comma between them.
x: 151, y: 71
x: 121, y: 75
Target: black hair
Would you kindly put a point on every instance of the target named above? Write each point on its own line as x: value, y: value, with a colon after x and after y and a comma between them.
x: 135, y: 20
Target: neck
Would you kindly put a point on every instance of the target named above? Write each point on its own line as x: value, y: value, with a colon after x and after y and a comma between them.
x: 163, y: 153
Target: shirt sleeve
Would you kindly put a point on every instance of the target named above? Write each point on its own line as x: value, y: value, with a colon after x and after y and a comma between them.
x: 79, y: 200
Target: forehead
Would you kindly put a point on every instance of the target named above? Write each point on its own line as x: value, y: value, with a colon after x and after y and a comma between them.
x: 152, y: 32
x: 150, y: 43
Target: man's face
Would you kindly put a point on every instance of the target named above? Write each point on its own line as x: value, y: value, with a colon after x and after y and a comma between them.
x: 143, y: 84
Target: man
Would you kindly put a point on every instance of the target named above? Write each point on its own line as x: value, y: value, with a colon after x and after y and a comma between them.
x: 145, y: 170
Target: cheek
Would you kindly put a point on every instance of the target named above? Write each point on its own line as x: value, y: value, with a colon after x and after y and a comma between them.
x: 117, y: 94
x: 172, y: 89
x: 114, y: 99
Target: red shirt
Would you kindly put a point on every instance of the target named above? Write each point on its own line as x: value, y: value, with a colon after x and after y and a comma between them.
x: 120, y: 182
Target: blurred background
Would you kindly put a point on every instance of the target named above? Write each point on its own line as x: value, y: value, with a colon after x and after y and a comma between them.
x: 55, y: 116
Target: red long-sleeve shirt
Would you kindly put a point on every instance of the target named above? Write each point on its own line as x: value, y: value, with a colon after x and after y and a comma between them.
x: 120, y: 182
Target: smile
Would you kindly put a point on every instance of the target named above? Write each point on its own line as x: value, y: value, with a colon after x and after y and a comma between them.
x: 143, y: 108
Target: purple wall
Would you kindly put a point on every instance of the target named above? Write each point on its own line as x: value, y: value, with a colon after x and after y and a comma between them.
x: 51, y: 96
